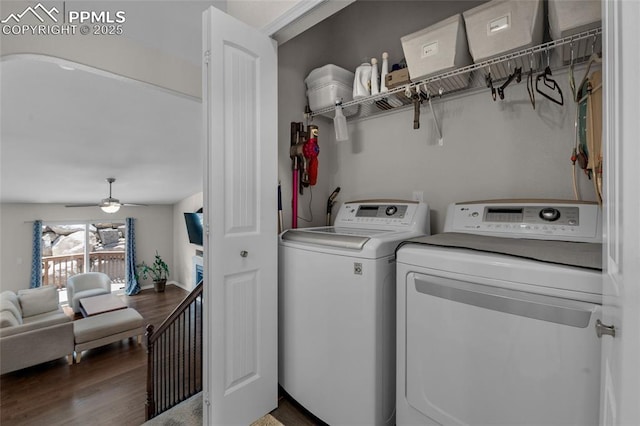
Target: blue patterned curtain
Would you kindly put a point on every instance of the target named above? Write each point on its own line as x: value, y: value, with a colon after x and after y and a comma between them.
x: 130, y: 267
x: 36, y: 259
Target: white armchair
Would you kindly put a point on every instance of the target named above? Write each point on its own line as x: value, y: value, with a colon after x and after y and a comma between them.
x: 84, y: 285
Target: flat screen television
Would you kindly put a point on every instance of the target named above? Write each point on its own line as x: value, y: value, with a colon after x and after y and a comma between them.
x: 194, y: 227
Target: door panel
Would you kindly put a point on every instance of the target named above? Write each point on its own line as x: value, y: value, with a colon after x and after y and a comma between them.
x: 241, y: 330
x: 620, y: 391
x: 241, y: 132
x: 240, y: 215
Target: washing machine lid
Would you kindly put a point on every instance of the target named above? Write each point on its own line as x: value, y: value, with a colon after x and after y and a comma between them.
x: 330, y: 236
x: 367, y: 229
x: 567, y: 253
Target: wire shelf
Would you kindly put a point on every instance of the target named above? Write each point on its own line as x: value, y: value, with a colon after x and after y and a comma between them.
x: 555, y: 54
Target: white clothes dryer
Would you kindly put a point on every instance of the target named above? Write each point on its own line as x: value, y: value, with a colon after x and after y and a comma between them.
x: 337, y: 311
x: 497, y: 315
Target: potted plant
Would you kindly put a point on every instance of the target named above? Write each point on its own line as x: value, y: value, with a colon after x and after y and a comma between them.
x: 158, y: 271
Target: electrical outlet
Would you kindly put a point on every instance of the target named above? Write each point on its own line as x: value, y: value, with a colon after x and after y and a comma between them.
x: 418, y: 196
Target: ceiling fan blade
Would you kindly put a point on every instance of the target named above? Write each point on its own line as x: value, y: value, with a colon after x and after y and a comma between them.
x: 108, y: 202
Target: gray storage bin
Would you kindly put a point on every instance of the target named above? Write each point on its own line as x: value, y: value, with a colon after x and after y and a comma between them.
x: 569, y: 17
x: 438, y: 48
x: 503, y: 26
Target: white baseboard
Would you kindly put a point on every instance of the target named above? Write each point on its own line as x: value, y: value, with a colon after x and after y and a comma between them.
x: 182, y: 286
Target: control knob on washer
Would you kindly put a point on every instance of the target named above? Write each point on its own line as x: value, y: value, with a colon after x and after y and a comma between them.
x: 549, y: 214
x: 391, y: 210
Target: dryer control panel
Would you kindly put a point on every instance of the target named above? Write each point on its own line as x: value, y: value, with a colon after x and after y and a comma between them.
x: 538, y: 219
x: 383, y: 214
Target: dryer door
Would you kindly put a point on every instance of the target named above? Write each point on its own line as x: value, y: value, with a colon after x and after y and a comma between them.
x: 481, y: 354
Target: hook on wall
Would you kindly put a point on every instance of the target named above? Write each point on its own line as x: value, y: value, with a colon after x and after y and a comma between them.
x: 548, y: 57
x: 532, y: 61
x: 489, y: 81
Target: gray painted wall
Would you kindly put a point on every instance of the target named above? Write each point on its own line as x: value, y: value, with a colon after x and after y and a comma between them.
x: 153, y: 227
x: 491, y: 149
x: 183, y: 251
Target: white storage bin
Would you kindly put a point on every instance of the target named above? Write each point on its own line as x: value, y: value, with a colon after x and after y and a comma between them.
x: 502, y: 26
x: 326, y: 85
x: 568, y: 17
x: 328, y: 74
x: 438, y: 48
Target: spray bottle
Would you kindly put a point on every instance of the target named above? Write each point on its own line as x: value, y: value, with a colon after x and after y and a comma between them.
x: 340, y: 124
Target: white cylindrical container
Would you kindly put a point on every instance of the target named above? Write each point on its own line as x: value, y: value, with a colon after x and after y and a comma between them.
x: 384, y: 71
x: 375, y: 87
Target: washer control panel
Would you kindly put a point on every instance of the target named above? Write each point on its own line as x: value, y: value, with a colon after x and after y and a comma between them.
x: 395, y: 214
x: 381, y: 211
x: 556, y: 215
x: 542, y: 219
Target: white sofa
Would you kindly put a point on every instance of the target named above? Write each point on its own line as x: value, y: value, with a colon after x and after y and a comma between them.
x: 33, y: 329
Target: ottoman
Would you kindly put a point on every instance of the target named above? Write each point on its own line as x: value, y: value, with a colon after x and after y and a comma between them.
x: 100, y: 330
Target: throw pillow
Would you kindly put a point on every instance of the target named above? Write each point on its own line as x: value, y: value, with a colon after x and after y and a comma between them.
x: 39, y: 300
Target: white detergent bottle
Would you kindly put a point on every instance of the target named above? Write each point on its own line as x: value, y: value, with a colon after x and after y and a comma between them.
x: 384, y: 71
x: 375, y: 88
x: 362, y: 81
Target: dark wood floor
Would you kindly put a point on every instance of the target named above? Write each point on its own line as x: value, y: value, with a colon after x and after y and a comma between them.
x: 107, y: 387
x: 290, y: 413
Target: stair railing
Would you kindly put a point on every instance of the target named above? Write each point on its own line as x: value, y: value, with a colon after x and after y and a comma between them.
x: 174, y: 354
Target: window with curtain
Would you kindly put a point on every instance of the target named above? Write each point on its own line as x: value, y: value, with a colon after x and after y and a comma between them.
x: 70, y: 248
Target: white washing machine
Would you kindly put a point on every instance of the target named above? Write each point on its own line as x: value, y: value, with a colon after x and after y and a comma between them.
x: 337, y: 311
x: 497, y: 315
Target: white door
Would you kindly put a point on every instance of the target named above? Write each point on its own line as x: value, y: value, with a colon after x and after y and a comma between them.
x: 240, y: 216
x: 620, y: 385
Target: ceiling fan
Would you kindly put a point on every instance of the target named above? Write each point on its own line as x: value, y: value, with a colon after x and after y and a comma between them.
x: 109, y: 204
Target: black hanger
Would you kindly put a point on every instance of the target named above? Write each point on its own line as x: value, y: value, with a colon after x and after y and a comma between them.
x: 517, y: 75
x: 551, y: 84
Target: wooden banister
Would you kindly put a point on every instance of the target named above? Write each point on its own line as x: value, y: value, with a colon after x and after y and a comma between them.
x: 174, y: 356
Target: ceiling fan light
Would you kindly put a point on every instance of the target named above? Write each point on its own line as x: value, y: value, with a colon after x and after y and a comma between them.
x: 110, y: 207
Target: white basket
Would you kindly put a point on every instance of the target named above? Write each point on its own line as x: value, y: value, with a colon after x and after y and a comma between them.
x: 328, y: 84
x: 325, y: 96
x: 328, y: 74
x: 438, y: 48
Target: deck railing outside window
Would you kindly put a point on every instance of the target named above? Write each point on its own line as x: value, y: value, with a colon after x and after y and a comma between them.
x: 57, y: 269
